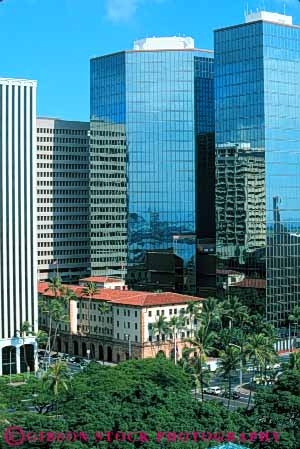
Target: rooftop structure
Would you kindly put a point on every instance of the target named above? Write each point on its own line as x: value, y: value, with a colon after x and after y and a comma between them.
x: 269, y: 17
x: 164, y: 43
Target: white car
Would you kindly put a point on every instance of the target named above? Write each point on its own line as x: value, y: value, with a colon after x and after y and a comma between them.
x: 217, y: 391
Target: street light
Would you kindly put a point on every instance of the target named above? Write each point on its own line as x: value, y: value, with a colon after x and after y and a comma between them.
x: 241, y: 362
x: 88, y: 352
x: 129, y: 345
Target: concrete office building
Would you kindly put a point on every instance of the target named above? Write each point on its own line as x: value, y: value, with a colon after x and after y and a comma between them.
x: 257, y: 82
x: 156, y: 103
x: 18, y: 292
x: 63, y: 198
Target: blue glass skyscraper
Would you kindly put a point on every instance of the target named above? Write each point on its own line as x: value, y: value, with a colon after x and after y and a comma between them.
x: 161, y: 96
x: 257, y: 88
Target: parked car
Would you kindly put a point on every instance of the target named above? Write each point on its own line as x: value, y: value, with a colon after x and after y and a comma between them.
x: 217, y: 391
x: 233, y: 395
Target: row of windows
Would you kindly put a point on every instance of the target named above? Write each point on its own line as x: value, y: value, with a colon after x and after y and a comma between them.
x: 64, y: 175
x: 62, y: 140
x: 63, y: 235
x: 63, y: 157
x: 126, y: 337
x: 71, y: 209
x: 70, y: 194
x: 68, y: 166
x: 171, y: 337
x: 73, y: 243
x: 63, y: 183
x: 171, y: 311
x: 63, y: 218
x: 127, y: 312
x: 61, y: 148
x: 59, y: 227
x: 127, y: 326
x: 61, y: 253
x: 73, y: 261
x: 82, y: 132
x: 106, y: 133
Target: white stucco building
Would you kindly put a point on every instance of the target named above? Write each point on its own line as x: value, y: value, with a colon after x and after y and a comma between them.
x: 18, y: 295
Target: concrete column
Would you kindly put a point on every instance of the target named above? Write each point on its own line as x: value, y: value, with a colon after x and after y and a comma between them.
x: 18, y: 359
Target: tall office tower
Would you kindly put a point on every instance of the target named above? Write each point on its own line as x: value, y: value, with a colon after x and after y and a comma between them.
x: 257, y: 80
x: 18, y: 283
x: 63, y: 198
x: 159, y: 98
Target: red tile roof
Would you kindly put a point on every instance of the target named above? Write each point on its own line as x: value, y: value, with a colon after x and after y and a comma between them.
x: 127, y: 297
x: 101, y: 279
x: 250, y: 283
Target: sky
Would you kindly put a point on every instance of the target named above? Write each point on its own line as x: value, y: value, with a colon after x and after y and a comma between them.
x: 52, y: 41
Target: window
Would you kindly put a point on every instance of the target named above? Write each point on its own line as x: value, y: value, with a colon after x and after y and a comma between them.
x: 128, y: 325
x: 157, y: 312
x: 136, y: 338
x: 118, y: 324
x: 170, y: 311
x: 135, y: 314
x: 149, y: 313
x: 175, y: 311
x: 150, y: 338
x: 135, y: 326
x: 162, y: 312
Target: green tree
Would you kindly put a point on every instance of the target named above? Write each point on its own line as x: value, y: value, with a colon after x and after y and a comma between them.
x: 203, y: 342
x: 26, y: 329
x: 229, y: 362
x: 234, y: 311
x: 57, y: 381
x: 160, y: 328
x: 103, y: 308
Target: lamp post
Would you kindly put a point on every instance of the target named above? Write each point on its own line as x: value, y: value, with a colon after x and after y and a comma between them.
x: 88, y: 353
x: 129, y: 345
x: 241, y: 362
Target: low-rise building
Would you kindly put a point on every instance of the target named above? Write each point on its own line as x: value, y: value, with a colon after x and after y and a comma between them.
x: 125, y: 328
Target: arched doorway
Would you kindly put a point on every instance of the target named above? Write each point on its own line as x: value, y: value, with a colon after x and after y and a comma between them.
x: 118, y: 358
x: 83, y: 347
x: 101, y: 354
x: 58, y: 344
x: 27, y: 358
x: 66, y: 347
x: 93, y: 352
x: 127, y: 355
x: 109, y: 354
x: 161, y: 354
x: 9, y: 360
x: 75, y: 347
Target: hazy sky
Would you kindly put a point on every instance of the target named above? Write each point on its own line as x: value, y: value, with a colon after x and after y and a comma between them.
x: 52, y: 40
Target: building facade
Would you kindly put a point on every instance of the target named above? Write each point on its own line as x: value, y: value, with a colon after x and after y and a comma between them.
x: 18, y: 295
x: 161, y: 96
x: 63, y: 198
x: 126, y: 329
x: 257, y: 80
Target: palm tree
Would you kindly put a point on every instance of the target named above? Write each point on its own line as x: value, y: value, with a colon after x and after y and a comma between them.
x: 26, y: 329
x: 176, y: 323
x: 103, y: 308
x: 192, y: 310
x: 57, y: 380
x: 229, y: 361
x: 234, y: 311
x: 160, y: 328
x: 203, y: 342
x: 90, y: 291
x: 55, y: 286
x: 58, y: 316
x: 211, y: 312
x: 294, y: 361
x: 259, y: 350
x: 293, y: 318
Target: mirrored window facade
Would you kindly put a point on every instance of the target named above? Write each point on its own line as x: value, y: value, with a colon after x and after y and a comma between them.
x: 257, y: 85
x: 163, y: 100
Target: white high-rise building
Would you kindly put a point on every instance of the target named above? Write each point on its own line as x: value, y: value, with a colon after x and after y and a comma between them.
x: 63, y: 199
x: 18, y: 280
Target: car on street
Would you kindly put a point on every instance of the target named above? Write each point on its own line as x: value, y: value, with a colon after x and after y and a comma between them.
x: 216, y: 391
x: 232, y: 395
